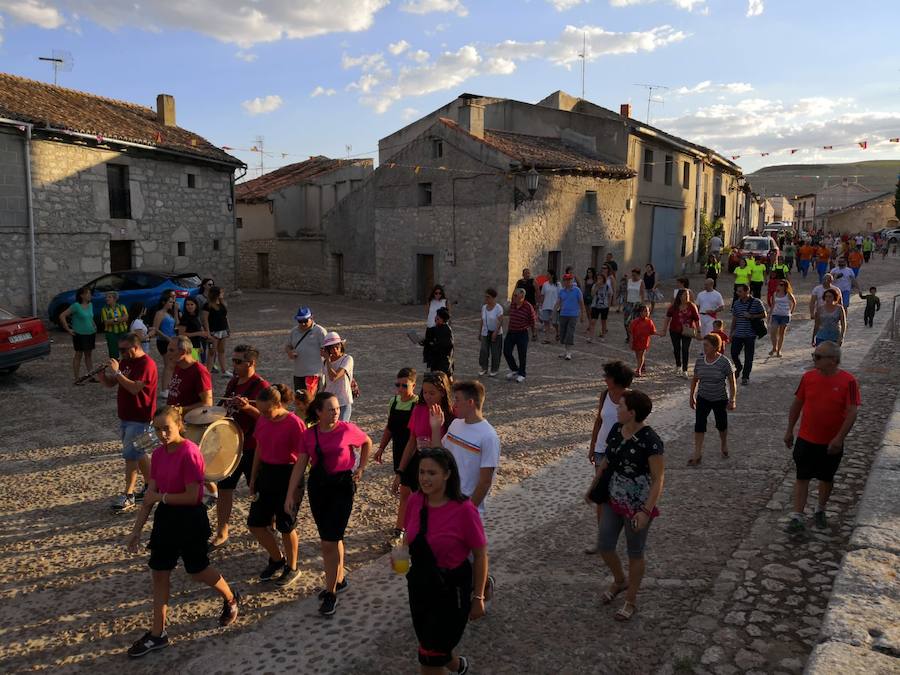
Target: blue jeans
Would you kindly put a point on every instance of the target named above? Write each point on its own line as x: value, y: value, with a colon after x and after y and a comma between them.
x: 611, y: 524
x: 517, y: 339
x: 345, y: 413
x: 129, y: 432
x: 748, y: 344
x: 845, y: 298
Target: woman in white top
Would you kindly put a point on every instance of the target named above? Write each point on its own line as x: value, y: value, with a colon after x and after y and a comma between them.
x: 491, y: 334
x: 338, y: 373
x: 781, y: 308
x: 549, y: 296
x: 138, y: 312
x: 635, y: 296
x: 618, y: 377
x: 436, y: 300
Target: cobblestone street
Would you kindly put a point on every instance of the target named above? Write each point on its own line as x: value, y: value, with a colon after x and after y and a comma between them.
x: 726, y: 590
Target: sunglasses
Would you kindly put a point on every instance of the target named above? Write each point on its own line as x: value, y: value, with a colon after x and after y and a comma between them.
x: 403, y: 385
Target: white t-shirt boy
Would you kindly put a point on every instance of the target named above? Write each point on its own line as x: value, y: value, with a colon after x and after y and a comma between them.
x: 474, y: 447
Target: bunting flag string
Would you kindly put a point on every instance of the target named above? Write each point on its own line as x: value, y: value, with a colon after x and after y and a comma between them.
x: 863, y: 144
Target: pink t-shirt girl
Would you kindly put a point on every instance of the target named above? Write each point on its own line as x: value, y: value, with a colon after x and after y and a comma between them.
x: 454, y: 529
x: 337, y: 446
x: 278, y: 441
x: 172, y: 471
x: 420, y: 426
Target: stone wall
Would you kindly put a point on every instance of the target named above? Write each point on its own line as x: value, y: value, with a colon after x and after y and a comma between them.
x: 15, y: 271
x: 74, y: 228
x: 869, y: 216
x: 294, y: 264
x: 861, y: 632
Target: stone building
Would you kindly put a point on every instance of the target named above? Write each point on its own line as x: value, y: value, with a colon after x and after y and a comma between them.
x: 91, y: 185
x: 805, y: 211
x: 778, y: 209
x: 869, y: 215
x: 449, y: 202
x: 279, y: 220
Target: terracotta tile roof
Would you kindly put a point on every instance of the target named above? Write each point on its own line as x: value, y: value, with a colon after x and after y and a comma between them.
x: 260, y: 188
x: 46, y: 105
x: 548, y: 154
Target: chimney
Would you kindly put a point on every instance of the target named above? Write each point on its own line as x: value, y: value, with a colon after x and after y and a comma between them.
x: 625, y: 110
x: 165, y: 110
x: 470, y: 117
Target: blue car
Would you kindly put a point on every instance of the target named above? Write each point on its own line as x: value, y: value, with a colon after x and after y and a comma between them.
x: 132, y: 286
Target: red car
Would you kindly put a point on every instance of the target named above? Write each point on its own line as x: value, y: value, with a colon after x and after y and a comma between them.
x: 21, y: 339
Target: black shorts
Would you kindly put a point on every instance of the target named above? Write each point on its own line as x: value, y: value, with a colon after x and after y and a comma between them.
x: 179, y: 532
x: 718, y: 408
x: 813, y: 461
x: 409, y: 477
x: 271, y: 493
x: 84, y: 343
x: 600, y: 313
x: 331, y: 501
x: 440, y: 613
x: 244, y: 468
x: 162, y: 346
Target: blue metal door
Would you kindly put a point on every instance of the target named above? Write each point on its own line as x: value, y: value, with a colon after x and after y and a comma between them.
x: 665, y: 240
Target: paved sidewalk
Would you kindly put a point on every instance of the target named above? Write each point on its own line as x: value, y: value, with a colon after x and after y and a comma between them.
x: 726, y: 591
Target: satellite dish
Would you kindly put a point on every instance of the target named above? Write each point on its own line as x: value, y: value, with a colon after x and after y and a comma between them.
x: 61, y: 60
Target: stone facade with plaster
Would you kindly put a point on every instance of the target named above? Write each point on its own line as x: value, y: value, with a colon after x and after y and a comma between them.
x: 73, y: 227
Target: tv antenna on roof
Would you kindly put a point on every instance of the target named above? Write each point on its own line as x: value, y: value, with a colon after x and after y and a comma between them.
x: 61, y: 61
x: 650, y: 99
x: 583, y: 57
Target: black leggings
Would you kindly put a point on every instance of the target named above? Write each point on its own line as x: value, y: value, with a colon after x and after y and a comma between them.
x: 681, y: 346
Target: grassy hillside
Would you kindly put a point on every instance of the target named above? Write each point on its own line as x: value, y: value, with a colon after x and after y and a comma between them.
x: 798, y: 179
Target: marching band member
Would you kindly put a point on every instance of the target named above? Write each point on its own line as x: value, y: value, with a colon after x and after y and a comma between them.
x: 180, y: 527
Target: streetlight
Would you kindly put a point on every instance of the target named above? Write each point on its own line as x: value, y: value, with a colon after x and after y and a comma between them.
x: 532, y: 178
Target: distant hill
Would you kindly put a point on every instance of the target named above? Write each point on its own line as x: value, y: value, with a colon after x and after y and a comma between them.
x: 797, y: 179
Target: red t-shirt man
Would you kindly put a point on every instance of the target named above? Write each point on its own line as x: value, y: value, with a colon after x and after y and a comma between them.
x: 825, y: 400
x: 250, y: 390
x: 138, y: 407
x: 188, y: 384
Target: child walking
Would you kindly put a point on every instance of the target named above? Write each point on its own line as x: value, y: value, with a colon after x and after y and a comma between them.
x: 873, y: 304
x: 718, y: 329
x: 642, y: 328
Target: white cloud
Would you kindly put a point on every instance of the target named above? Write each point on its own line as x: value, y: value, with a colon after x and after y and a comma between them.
x: 249, y: 57
x: 397, y: 48
x: 262, y: 105
x: 368, y: 62
x: 322, y: 91
x: 234, y: 21
x: 600, y: 42
x: 366, y: 83
x: 499, y: 66
x: 429, y: 6
x: 755, y: 7
x: 709, y: 87
x: 756, y: 125
x: 409, y: 113
x: 563, y: 5
x: 34, y: 12
x: 688, y: 5
x: 419, y: 56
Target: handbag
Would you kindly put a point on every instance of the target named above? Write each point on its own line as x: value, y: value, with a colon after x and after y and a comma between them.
x: 599, y: 492
x: 759, y: 327
x: 319, y: 475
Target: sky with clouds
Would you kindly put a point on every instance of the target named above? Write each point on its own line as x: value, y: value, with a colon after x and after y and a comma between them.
x: 753, y: 79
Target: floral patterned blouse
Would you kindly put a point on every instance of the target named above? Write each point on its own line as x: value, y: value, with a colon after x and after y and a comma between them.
x: 629, y: 463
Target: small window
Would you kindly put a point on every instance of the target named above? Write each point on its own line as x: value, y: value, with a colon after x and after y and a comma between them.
x: 192, y: 180
x: 590, y: 202
x: 683, y: 245
x: 596, y: 257
x: 239, y: 222
x: 554, y: 258
x: 686, y: 176
x: 182, y: 248
x: 723, y: 203
x: 215, y: 244
x: 424, y: 194
x: 437, y: 149
x: 670, y: 169
x: 119, y: 194
x: 648, y: 165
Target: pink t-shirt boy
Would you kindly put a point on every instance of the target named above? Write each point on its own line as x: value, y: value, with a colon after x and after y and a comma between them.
x: 174, y: 470
x: 337, y: 446
x: 279, y: 441
x: 454, y: 529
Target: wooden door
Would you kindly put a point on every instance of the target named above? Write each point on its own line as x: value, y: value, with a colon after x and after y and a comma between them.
x: 262, y: 270
x: 120, y: 255
x: 338, y: 273
x: 424, y: 276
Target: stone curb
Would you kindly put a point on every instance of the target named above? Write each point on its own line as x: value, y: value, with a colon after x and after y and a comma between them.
x: 860, y: 632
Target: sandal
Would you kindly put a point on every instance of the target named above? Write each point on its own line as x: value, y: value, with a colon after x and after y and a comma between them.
x: 625, y: 612
x: 695, y: 461
x: 725, y: 454
x: 614, y: 590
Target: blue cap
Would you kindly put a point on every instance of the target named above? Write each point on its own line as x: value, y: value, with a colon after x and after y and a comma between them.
x: 303, y: 314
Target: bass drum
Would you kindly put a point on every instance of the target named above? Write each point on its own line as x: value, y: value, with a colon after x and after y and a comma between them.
x: 220, y: 443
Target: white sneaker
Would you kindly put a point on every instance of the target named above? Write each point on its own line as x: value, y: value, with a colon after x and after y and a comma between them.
x: 520, y: 378
x: 482, y: 372
x: 568, y: 357
x: 227, y: 373
x: 511, y: 375
x: 493, y: 373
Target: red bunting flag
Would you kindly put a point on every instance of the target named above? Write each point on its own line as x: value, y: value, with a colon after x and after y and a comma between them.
x: 254, y: 149
x: 828, y: 147
x: 734, y: 157
x: 793, y: 150
x: 764, y: 154
x: 227, y: 147
x: 99, y: 138
x: 863, y: 144
x: 158, y: 137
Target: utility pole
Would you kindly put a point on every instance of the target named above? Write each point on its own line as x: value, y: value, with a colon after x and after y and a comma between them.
x: 259, y: 148
x: 650, y: 99
x: 583, y: 57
